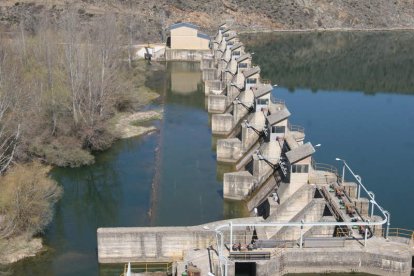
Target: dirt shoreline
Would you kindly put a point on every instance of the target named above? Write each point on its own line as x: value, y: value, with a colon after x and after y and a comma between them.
x: 18, y: 248
x: 132, y: 124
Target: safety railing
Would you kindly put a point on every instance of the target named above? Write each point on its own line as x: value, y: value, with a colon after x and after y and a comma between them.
x: 402, y: 233
x: 275, y: 100
x: 324, y: 167
x: 265, y: 81
x: 149, y: 267
x: 322, y: 173
x: 297, y: 128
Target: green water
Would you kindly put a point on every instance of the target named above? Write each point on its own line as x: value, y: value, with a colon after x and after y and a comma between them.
x: 353, y: 92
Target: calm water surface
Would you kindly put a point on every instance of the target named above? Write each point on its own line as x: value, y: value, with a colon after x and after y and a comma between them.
x: 353, y: 92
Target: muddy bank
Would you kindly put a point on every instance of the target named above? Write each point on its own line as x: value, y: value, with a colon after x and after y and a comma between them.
x: 17, y: 248
x: 135, y: 124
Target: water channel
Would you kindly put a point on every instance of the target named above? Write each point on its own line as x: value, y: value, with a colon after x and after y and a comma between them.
x: 353, y: 93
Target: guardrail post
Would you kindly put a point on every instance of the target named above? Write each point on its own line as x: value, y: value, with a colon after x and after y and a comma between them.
x: 387, y: 231
x: 231, y: 237
x: 301, y: 234
x: 365, y: 235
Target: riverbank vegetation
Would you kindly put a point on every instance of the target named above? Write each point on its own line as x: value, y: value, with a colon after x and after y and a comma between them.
x: 26, y: 207
x: 61, y: 86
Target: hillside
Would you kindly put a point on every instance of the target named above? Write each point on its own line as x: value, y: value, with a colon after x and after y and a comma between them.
x: 150, y: 18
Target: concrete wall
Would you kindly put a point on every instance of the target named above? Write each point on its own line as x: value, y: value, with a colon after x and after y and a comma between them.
x: 327, y: 260
x: 209, y: 74
x: 362, y: 206
x: 228, y: 150
x: 212, y: 85
x: 217, y: 103
x: 350, y: 188
x: 237, y: 185
x: 161, y: 244
x: 136, y: 244
x: 184, y: 55
x: 221, y: 123
x: 207, y: 63
x: 186, y: 38
x: 330, y: 260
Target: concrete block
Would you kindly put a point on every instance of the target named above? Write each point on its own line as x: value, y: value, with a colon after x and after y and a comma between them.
x: 212, y: 85
x: 362, y: 205
x: 228, y: 150
x: 221, y: 123
x: 351, y: 189
x: 209, y: 74
x: 377, y: 229
x: 237, y: 185
x: 217, y: 103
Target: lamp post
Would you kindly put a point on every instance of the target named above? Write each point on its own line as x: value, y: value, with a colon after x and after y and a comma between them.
x: 357, y: 177
x: 343, y: 169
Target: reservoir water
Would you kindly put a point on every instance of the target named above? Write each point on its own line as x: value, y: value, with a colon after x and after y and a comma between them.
x: 353, y: 93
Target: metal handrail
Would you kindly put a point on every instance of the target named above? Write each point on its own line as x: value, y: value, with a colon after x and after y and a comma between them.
x: 297, y: 128
x: 275, y: 100
x: 265, y: 81
x: 402, y: 233
x: 149, y: 267
x: 324, y: 167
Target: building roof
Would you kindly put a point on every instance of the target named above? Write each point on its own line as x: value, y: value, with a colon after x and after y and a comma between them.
x: 278, y: 116
x: 262, y: 90
x: 291, y: 141
x: 251, y: 71
x: 236, y: 46
x: 299, y: 153
x: 203, y: 36
x: 182, y: 24
x: 243, y: 57
x: 231, y: 37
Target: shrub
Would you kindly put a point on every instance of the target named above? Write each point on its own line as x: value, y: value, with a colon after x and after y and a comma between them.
x: 27, y: 199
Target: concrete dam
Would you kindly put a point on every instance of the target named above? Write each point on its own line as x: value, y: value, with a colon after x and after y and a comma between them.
x: 304, y: 216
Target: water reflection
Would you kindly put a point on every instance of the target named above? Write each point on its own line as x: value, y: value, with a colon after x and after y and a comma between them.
x: 113, y: 192
x: 189, y: 190
x: 185, y: 77
x: 355, y: 61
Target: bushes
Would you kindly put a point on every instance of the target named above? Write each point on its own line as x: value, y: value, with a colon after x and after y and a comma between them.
x: 63, y: 152
x: 27, y: 199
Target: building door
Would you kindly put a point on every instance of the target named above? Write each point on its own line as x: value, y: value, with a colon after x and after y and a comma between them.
x: 245, y: 269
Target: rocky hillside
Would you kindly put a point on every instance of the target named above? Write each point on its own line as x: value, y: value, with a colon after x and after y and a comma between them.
x: 150, y: 17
